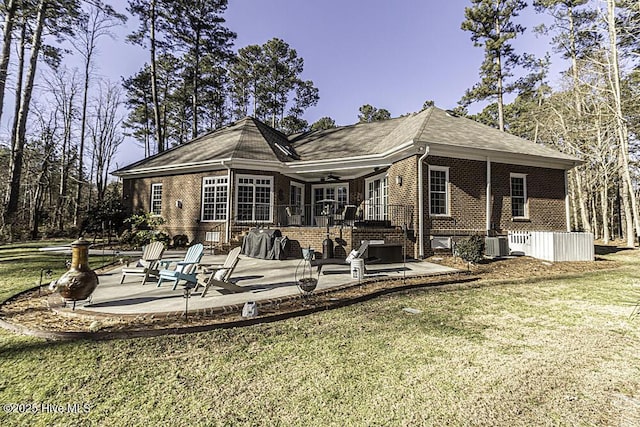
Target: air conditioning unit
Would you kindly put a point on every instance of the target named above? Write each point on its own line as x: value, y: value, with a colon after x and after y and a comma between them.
x: 496, y: 246
x: 440, y: 242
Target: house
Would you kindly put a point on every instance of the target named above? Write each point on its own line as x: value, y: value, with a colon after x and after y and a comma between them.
x: 415, y: 180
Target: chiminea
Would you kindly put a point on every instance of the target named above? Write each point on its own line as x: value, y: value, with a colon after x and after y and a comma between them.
x: 80, y: 281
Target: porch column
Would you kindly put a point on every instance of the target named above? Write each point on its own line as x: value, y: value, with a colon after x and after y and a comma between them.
x: 567, y: 207
x: 229, y: 193
x: 488, y: 196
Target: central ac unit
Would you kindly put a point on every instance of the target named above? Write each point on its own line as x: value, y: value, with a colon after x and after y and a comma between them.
x: 496, y: 246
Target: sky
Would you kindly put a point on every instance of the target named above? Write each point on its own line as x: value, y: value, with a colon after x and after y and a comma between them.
x: 390, y: 54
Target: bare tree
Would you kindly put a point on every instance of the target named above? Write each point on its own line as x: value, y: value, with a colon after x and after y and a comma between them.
x: 105, y: 134
x: 96, y: 23
x: 64, y: 87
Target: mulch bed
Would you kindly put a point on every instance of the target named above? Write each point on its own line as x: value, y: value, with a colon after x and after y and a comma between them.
x: 32, y: 312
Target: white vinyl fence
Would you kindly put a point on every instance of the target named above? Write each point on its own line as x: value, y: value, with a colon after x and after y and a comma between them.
x: 552, y: 246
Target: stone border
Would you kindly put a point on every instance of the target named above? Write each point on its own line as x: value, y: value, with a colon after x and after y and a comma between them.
x: 448, y: 278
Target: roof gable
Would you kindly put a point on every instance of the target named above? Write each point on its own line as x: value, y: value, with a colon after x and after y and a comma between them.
x: 244, y: 139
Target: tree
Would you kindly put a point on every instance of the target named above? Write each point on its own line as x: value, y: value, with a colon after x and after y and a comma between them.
x: 491, y: 25
x: 369, y: 113
x: 105, y: 135
x: 151, y: 14
x: 324, y: 123
x: 94, y: 24
x: 268, y: 77
x: 291, y: 124
x: 197, y: 29
x: 64, y: 88
x: 9, y: 18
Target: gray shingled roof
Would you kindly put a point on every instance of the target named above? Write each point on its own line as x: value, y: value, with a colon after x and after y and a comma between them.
x: 245, y: 139
x: 442, y: 128
x: 432, y: 125
x: 251, y: 139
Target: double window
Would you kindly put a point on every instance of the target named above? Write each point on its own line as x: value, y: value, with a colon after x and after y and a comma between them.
x: 519, y: 205
x: 438, y: 190
x: 215, y: 191
x: 254, y: 195
x: 156, y: 199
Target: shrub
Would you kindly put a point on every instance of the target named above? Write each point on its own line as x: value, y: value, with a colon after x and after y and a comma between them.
x: 470, y: 249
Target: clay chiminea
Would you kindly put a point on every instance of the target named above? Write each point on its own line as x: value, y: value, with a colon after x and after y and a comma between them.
x: 80, y: 281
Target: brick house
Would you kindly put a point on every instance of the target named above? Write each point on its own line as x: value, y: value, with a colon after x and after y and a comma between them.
x: 414, y: 180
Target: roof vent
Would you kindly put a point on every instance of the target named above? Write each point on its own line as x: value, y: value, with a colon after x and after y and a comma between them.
x: 451, y: 113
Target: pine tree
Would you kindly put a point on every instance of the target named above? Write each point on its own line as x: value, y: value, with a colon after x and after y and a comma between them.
x: 491, y: 25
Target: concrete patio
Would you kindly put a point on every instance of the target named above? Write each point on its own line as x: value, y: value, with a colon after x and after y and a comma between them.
x: 264, y: 280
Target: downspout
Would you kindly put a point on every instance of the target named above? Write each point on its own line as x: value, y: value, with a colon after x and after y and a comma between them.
x: 567, y: 207
x: 227, y: 233
x: 421, y: 201
x: 488, y: 195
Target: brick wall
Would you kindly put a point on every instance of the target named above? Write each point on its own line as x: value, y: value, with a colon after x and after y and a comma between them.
x: 467, y: 181
x: 467, y: 189
x: 186, y: 188
x: 545, y: 195
x: 344, y: 239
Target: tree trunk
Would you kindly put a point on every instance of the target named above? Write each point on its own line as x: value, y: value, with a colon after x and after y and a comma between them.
x: 574, y: 199
x: 628, y: 194
x: 604, y: 207
x: 595, y: 226
x: 499, y: 82
x: 6, y: 47
x: 194, y: 97
x: 83, y: 130
x: 582, y: 205
x: 16, y: 168
x: 154, y: 79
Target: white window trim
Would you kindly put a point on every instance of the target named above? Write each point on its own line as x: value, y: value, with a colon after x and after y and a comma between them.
x: 153, y: 187
x: 301, y: 187
x: 367, y: 181
x: 216, y: 178
x: 526, y: 196
x: 327, y: 185
x: 237, y: 192
x: 447, y: 191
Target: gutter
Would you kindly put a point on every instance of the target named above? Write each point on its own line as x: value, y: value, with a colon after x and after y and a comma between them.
x: 488, y: 196
x: 421, y: 201
x: 227, y: 233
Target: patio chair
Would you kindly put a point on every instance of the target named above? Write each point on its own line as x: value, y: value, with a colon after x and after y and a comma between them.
x: 185, y: 269
x: 293, y: 219
x: 148, y: 264
x: 220, y: 275
x: 348, y: 216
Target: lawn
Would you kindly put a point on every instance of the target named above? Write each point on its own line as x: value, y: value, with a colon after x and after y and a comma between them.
x: 552, y: 352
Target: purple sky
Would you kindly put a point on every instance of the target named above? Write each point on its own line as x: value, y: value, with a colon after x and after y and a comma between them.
x: 390, y: 54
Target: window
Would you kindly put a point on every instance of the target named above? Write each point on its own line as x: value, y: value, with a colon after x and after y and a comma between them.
x: 439, y: 190
x: 156, y: 199
x: 377, y: 197
x: 336, y: 197
x: 296, y: 199
x: 254, y: 194
x: 214, y: 198
x: 519, y: 196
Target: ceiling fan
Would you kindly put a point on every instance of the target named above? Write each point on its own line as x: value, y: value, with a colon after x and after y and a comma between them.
x: 333, y: 177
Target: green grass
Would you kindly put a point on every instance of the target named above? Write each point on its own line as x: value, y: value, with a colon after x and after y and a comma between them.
x: 555, y: 352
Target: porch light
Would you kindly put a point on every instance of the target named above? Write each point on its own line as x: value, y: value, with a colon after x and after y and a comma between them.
x: 399, y: 180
